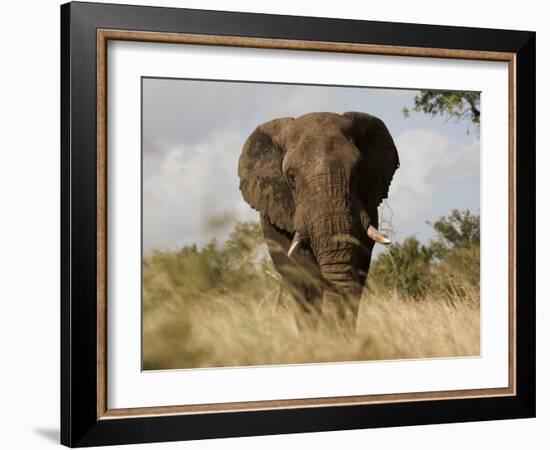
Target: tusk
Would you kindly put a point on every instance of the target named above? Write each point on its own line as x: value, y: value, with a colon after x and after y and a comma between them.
x: 294, y: 244
x: 376, y: 236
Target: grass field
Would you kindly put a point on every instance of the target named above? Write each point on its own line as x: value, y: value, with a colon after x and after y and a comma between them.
x: 235, y: 331
x: 223, y: 305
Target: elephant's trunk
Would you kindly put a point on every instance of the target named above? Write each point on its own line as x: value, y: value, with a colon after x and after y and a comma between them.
x: 342, y: 291
x: 338, y: 249
x: 336, y: 225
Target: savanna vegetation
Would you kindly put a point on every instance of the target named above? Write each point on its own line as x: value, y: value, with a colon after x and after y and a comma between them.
x: 223, y: 304
x: 453, y: 105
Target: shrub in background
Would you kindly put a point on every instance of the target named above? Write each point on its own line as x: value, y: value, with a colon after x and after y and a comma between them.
x: 448, y: 265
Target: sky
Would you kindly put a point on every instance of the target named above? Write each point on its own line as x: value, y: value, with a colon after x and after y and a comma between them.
x: 194, y: 130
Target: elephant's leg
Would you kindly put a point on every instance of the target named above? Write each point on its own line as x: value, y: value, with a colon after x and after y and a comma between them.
x: 301, y: 275
x: 365, y: 262
x: 363, y: 275
x: 340, y: 304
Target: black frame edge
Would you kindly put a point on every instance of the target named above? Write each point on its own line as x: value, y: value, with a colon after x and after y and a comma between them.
x: 526, y: 223
x: 79, y: 232
x: 301, y: 420
x: 65, y: 434
x: 235, y: 23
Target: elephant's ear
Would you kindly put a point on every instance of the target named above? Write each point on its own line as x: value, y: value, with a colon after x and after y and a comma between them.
x: 260, y: 170
x: 376, y: 145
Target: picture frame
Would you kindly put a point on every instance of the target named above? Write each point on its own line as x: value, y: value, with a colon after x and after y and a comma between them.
x: 86, y: 418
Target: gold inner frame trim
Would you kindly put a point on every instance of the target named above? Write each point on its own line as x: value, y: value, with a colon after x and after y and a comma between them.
x: 103, y: 36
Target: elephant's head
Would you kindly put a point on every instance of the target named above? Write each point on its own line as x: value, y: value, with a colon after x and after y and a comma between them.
x: 320, y: 177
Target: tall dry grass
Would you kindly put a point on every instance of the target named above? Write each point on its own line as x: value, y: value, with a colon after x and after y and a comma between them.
x: 236, y: 330
x: 224, y: 305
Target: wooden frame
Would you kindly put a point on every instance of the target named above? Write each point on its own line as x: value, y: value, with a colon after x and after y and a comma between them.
x: 86, y: 418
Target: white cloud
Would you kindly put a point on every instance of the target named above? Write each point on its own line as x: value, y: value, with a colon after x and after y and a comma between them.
x: 436, y: 175
x: 193, y: 183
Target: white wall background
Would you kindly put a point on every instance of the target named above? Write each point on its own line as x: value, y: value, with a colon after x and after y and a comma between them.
x: 29, y: 229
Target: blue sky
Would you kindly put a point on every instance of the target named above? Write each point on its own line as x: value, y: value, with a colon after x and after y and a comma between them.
x: 193, y: 132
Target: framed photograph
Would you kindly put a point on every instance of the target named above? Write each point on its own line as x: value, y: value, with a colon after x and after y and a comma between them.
x: 277, y: 224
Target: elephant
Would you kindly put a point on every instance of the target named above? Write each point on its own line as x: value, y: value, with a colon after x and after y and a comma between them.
x: 317, y: 181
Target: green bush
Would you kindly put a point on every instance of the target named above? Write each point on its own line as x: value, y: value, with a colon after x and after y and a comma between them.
x: 447, y: 265
x: 241, y: 264
x: 404, y: 268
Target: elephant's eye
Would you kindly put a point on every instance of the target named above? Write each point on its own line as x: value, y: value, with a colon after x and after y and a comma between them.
x: 291, y: 178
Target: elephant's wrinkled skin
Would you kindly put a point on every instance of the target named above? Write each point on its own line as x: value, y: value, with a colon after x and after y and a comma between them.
x: 318, y: 179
